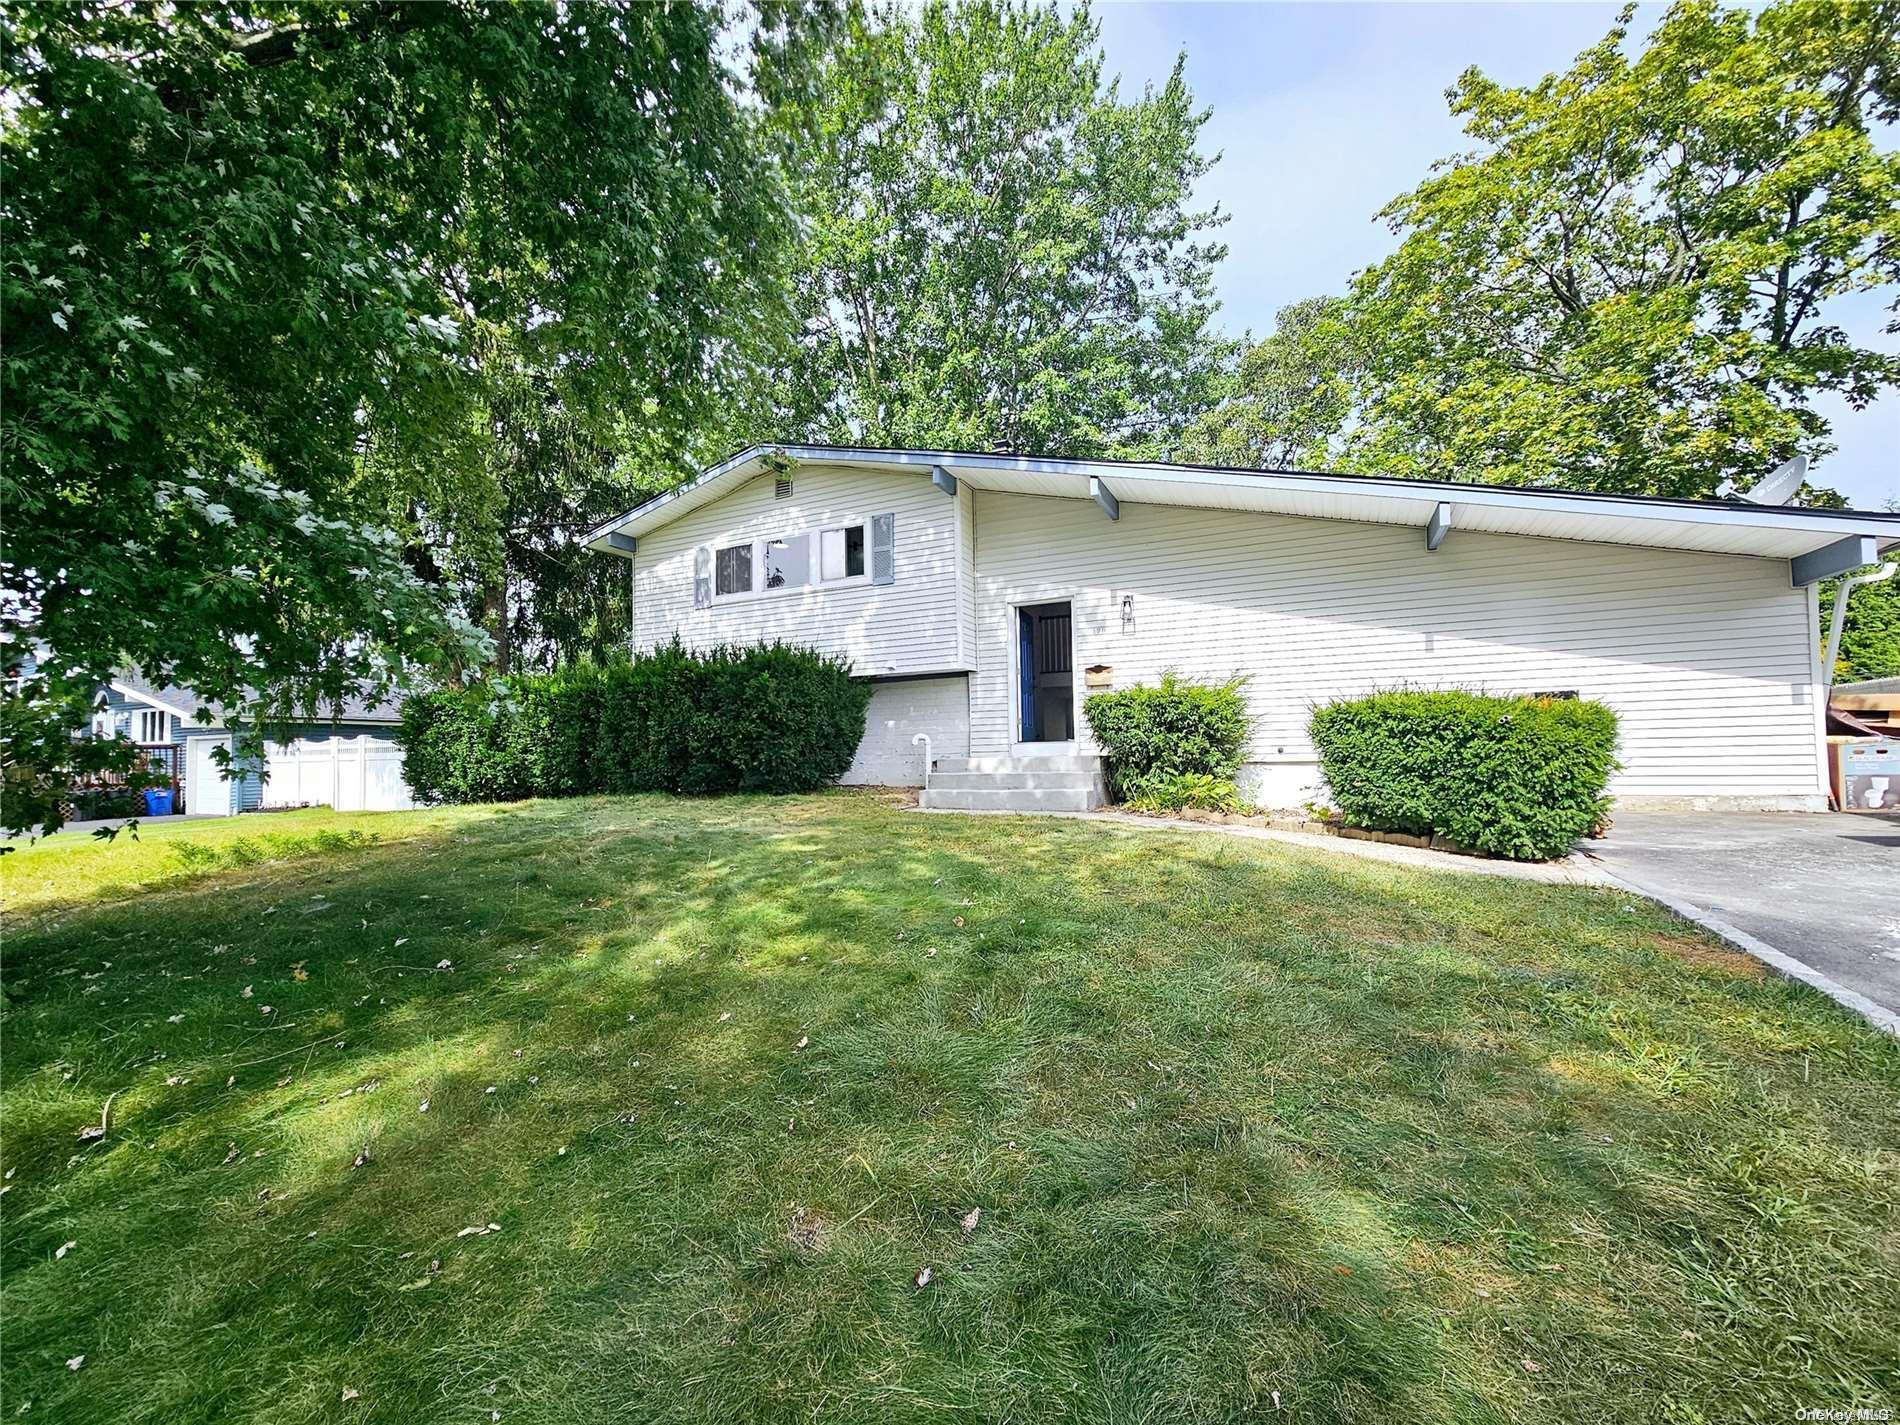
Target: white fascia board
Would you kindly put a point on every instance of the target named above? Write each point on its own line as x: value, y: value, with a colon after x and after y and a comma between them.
x: 1825, y: 527
x: 138, y: 695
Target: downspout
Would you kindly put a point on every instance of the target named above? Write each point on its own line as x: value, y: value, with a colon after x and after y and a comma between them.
x: 1848, y: 585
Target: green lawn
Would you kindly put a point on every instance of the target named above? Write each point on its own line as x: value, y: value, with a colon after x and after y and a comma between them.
x: 708, y: 1084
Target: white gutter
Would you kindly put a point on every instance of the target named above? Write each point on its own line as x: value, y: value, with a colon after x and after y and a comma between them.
x: 1847, y: 586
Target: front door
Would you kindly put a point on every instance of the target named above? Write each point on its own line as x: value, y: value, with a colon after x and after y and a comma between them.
x: 1045, y: 673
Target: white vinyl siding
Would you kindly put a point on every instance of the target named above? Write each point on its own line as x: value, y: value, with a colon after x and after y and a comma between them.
x: 906, y: 626
x: 966, y: 574
x: 1707, y: 659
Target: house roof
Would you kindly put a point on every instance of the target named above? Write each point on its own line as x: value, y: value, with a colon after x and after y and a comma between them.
x: 184, y: 703
x: 1714, y: 526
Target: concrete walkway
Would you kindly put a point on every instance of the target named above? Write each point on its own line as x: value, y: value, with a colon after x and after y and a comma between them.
x: 1821, y: 889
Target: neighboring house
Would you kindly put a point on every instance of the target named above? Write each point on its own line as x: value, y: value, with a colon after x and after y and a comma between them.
x: 352, y: 763
x: 985, y: 594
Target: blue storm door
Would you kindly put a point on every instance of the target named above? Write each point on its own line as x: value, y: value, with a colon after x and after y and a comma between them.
x: 1045, y: 678
x: 1026, y: 672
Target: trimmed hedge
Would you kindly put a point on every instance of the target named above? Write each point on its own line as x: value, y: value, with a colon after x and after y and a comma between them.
x: 1516, y: 777
x: 769, y: 718
x: 1152, y: 736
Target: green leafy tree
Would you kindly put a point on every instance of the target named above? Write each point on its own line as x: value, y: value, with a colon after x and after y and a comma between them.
x: 257, y: 259
x: 1003, y: 252
x: 1626, y: 284
x: 1870, y: 632
x: 1287, y: 400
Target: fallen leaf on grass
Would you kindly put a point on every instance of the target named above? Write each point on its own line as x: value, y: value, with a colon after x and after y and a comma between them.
x: 67, y: 1247
x: 232, y: 1156
x: 350, y: 1393
x: 424, y: 1107
x: 1530, y: 1365
x: 246, y: 992
x: 923, y: 1277
x: 445, y: 964
x: 402, y: 941
x: 360, y: 1159
x: 174, y: 1019
x: 73, y: 1363
x: 90, y: 1132
x: 479, y: 1231
x: 802, y: 1042
x: 970, y: 1219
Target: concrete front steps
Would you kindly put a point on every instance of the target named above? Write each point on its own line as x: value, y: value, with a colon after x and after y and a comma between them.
x: 1057, y: 783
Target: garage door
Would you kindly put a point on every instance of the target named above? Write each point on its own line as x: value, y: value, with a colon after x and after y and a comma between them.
x: 349, y: 773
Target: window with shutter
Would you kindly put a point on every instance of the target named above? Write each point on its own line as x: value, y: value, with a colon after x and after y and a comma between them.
x: 732, y: 570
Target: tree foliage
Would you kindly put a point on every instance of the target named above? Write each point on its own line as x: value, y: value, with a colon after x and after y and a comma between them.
x: 1003, y: 252
x: 1870, y: 632
x: 1287, y: 397
x: 1625, y: 285
x: 260, y: 261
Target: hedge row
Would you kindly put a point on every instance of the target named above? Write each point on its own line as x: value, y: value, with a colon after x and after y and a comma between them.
x: 1515, y: 777
x: 1151, y: 737
x: 768, y: 718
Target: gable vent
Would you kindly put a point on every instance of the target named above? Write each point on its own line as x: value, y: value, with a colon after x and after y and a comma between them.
x: 782, y: 488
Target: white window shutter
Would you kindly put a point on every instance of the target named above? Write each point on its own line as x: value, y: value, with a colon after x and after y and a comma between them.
x: 884, y: 549
x: 702, y: 577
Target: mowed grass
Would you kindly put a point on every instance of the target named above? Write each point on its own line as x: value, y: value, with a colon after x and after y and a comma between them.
x: 708, y: 1084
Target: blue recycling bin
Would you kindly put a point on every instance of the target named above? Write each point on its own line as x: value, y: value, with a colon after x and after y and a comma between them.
x: 158, y: 801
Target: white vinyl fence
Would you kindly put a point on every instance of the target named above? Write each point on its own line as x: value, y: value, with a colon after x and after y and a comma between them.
x: 349, y: 773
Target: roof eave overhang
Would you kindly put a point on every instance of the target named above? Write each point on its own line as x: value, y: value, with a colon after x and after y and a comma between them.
x: 1405, y: 501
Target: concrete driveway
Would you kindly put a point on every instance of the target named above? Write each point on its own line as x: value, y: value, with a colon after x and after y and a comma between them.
x: 1822, y: 888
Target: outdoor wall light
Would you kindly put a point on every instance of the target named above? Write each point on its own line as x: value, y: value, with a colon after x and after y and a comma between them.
x: 1128, y: 612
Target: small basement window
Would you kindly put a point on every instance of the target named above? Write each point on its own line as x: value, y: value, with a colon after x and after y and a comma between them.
x: 841, y: 553
x: 732, y: 572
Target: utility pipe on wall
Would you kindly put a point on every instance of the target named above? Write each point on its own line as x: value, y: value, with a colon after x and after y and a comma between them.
x: 1848, y: 585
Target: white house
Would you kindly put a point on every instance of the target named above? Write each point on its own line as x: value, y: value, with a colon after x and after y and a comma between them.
x: 987, y: 594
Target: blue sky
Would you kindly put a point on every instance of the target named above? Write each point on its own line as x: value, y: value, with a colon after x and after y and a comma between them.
x: 1324, y: 112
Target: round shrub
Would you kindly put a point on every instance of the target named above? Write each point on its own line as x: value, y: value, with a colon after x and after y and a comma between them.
x: 1152, y: 735
x: 1516, y: 777
x: 766, y: 718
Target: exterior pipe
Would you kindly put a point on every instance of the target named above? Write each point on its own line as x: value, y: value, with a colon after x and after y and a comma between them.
x: 924, y: 738
x: 1847, y: 587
